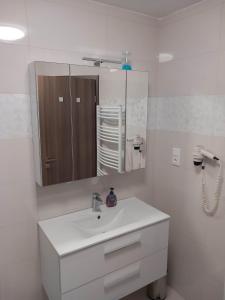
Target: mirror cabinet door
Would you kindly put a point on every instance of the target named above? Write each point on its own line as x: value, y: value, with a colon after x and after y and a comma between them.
x: 111, y: 122
x: 53, y: 93
x: 136, y: 120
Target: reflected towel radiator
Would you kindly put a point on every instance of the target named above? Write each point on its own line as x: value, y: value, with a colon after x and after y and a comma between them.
x: 110, y: 138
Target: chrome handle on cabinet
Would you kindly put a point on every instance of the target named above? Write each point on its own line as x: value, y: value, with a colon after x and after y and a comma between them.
x: 120, y: 244
x: 117, y: 277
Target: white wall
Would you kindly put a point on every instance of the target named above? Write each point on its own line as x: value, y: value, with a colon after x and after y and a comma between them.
x: 189, y: 109
x: 61, y: 31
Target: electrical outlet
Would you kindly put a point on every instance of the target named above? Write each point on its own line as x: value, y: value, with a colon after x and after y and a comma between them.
x: 176, y: 156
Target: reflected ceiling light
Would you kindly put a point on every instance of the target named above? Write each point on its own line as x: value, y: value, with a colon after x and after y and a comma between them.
x: 113, y: 70
x: 10, y: 33
x: 165, y: 57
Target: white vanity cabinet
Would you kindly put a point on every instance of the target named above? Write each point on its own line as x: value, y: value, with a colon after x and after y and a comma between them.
x: 107, y: 270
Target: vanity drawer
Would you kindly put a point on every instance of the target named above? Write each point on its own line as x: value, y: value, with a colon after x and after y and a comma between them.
x: 89, y: 264
x: 124, y: 281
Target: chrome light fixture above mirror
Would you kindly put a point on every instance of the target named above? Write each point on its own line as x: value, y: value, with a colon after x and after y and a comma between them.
x: 98, y: 61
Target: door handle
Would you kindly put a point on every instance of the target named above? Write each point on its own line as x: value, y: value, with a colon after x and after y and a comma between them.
x: 48, y: 162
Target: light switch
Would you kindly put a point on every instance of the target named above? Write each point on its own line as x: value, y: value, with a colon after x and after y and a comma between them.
x: 60, y: 99
x: 176, y: 157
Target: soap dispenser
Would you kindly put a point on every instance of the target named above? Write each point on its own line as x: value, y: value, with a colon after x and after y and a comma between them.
x: 111, y: 199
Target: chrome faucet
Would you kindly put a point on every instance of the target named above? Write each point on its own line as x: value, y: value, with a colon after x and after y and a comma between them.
x: 96, y: 202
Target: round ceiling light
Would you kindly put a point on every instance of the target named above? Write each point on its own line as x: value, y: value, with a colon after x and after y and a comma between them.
x: 9, y: 33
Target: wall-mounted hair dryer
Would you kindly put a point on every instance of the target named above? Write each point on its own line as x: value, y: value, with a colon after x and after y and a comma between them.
x: 200, y: 156
x: 200, y: 153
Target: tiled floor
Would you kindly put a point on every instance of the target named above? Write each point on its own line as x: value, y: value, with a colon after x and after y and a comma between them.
x: 141, y: 295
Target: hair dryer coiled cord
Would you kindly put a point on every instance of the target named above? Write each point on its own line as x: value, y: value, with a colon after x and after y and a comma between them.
x: 210, y: 209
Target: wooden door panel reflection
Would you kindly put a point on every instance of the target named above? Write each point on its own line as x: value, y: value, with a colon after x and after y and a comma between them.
x: 55, y: 128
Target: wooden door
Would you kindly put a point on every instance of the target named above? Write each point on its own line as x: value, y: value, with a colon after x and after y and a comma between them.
x: 84, y: 93
x: 55, y: 128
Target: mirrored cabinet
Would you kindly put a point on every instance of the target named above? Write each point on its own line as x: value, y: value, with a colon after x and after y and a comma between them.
x: 87, y: 121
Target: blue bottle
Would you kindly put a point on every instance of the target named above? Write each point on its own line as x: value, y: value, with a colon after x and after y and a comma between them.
x: 111, y: 199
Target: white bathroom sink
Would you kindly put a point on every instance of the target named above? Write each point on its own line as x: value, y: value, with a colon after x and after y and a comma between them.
x: 102, y: 222
x: 82, y: 229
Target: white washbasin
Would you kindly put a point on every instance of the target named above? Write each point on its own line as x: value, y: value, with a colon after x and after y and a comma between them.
x: 82, y: 229
x: 105, y: 221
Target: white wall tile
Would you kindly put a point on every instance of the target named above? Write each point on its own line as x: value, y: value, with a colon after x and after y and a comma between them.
x: 14, y: 170
x: 13, y: 71
x: 15, y: 116
x: 16, y: 239
x: 17, y: 205
x: 189, y: 76
x: 20, y: 281
x: 189, y: 36
x: 19, y: 267
x: 220, y: 83
x: 137, y: 38
x: 64, y: 28
x: 222, y: 29
x: 194, y: 114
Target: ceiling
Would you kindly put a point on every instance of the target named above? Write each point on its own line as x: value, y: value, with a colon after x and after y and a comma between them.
x: 154, y: 8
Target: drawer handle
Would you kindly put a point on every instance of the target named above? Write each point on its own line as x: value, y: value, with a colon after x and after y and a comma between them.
x: 120, y: 244
x: 118, y: 277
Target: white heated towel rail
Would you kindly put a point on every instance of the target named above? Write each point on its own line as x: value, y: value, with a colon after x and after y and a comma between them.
x: 109, y: 135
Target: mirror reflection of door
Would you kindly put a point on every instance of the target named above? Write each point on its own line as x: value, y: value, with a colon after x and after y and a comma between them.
x: 84, y: 94
x: 55, y: 128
